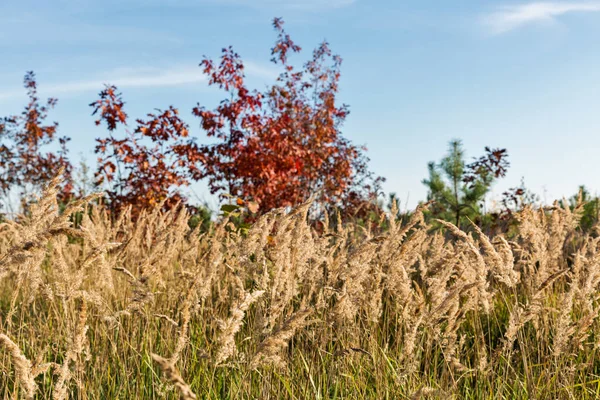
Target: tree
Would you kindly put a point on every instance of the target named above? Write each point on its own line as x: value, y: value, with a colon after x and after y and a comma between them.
x: 144, y: 167
x: 280, y: 146
x: 275, y: 148
x: 458, y: 190
x: 24, y: 165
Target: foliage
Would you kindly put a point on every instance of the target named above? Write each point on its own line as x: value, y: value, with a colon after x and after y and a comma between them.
x: 458, y: 190
x: 201, y: 216
x: 143, y: 167
x: 492, y: 165
x: 275, y: 148
x: 280, y: 146
x: 24, y: 165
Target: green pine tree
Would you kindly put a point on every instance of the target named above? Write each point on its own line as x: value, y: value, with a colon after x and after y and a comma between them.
x: 455, y: 197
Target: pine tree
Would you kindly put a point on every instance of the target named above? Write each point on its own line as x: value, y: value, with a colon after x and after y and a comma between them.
x: 458, y: 190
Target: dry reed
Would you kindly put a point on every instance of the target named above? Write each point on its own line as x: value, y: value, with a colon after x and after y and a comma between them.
x: 424, y: 312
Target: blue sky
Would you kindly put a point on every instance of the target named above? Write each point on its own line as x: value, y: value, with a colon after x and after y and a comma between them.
x: 520, y: 75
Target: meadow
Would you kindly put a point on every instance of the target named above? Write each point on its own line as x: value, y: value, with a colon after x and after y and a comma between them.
x: 150, y: 308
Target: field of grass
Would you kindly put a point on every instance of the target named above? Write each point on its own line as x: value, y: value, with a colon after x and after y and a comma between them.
x: 152, y: 309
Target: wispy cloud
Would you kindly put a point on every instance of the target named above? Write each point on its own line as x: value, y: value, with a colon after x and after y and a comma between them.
x: 137, y: 78
x: 512, y: 17
x: 122, y: 78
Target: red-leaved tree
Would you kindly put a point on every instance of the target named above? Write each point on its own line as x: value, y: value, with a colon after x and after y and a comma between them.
x: 25, y: 162
x: 141, y: 168
x: 280, y: 146
x: 276, y: 148
x: 493, y: 165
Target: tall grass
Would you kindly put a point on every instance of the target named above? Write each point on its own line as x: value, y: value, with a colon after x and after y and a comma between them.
x: 152, y: 309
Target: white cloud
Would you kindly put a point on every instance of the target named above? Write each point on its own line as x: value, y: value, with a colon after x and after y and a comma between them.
x: 122, y: 78
x: 513, y: 17
x: 137, y: 78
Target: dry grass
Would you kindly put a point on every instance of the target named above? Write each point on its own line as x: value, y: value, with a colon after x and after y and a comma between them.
x: 281, y: 312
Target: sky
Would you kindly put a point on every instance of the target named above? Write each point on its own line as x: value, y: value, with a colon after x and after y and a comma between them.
x: 524, y: 76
